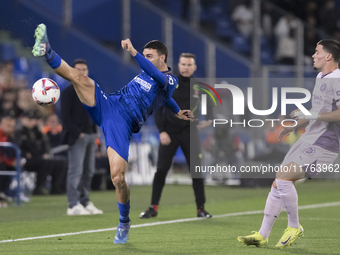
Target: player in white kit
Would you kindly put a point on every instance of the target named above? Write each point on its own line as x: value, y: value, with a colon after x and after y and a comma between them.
x: 314, y: 152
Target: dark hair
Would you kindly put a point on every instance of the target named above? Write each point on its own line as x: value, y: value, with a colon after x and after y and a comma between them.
x: 187, y: 55
x: 159, y: 46
x: 333, y: 47
x: 79, y: 61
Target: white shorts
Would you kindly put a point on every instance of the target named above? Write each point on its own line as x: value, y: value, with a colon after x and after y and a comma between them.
x: 312, y: 159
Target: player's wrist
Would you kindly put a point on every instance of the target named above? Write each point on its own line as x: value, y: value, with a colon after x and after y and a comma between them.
x: 311, y: 116
x: 133, y: 52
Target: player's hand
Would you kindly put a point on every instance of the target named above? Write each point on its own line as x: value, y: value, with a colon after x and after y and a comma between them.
x: 203, y: 124
x: 185, y: 115
x: 127, y: 45
x: 285, y: 132
x: 298, y: 115
x: 293, y: 113
x: 164, y: 138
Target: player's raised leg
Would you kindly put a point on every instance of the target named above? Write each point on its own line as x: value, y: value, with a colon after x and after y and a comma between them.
x: 83, y: 85
x: 118, y: 166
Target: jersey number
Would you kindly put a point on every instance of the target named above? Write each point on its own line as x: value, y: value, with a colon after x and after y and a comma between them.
x: 171, y: 81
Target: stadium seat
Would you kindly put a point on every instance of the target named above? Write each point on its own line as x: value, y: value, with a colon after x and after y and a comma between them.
x: 225, y: 28
x: 35, y: 71
x: 21, y: 66
x: 7, y: 52
x: 241, y: 44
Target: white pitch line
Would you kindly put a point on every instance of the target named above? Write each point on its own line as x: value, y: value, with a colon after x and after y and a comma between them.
x: 166, y: 222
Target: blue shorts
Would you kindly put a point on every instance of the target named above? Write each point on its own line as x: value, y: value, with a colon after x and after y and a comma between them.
x: 114, y: 121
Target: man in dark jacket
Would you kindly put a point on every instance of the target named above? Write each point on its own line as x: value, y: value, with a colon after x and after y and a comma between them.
x: 79, y: 132
x: 176, y: 133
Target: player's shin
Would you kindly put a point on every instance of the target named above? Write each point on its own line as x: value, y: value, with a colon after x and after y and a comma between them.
x: 271, y: 212
x: 124, y: 210
x: 289, y: 198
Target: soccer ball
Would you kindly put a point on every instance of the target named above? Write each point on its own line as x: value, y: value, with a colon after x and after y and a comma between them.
x: 45, y: 92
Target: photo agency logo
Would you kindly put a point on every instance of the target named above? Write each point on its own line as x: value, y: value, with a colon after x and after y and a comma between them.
x: 200, y: 86
x: 238, y: 102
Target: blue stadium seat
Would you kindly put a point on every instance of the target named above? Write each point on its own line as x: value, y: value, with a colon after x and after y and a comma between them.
x: 241, y: 44
x: 267, y: 57
x: 225, y: 28
x: 21, y: 66
x: 35, y: 71
x: 7, y: 52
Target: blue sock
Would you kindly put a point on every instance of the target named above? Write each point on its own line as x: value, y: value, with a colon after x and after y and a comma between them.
x: 124, y: 210
x: 51, y: 57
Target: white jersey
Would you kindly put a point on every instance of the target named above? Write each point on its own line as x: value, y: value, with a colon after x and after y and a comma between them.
x: 325, y: 98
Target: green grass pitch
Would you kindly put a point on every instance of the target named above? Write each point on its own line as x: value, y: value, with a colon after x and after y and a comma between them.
x: 47, y: 216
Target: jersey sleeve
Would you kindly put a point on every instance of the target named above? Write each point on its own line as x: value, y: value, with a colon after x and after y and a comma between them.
x: 171, y: 84
x: 172, y: 105
x: 150, y: 69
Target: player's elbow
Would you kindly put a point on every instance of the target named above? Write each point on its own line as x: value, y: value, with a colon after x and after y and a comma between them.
x: 76, y: 76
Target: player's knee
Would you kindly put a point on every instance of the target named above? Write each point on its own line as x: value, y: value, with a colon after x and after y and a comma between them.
x: 118, y: 178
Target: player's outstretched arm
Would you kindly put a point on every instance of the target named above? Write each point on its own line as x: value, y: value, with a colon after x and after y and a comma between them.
x: 322, y: 116
x: 181, y: 114
x: 82, y: 84
x: 144, y: 64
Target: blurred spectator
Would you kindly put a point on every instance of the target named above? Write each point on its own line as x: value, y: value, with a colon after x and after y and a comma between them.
x: 6, y: 76
x: 278, y: 149
x: 7, y: 155
x: 53, y: 130
x: 310, y: 39
x: 243, y: 17
x: 285, y: 37
x: 311, y: 9
x: 8, y: 103
x: 34, y: 147
x: 328, y: 16
x: 336, y: 35
x: 268, y: 20
x: 102, y: 165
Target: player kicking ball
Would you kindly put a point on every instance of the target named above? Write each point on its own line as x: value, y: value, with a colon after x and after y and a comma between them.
x: 122, y: 113
x: 316, y: 148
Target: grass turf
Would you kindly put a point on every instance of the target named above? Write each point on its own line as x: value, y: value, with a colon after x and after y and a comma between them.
x: 47, y: 216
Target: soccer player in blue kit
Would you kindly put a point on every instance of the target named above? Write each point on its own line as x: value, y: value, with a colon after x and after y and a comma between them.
x: 122, y: 113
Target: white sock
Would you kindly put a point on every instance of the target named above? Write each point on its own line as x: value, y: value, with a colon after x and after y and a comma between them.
x: 289, y: 198
x: 271, y: 212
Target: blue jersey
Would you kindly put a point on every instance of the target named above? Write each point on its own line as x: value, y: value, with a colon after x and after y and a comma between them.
x: 122, y: 113
x: 143, y: 95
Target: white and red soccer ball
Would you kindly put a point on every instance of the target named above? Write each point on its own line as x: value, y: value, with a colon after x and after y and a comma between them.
x: 45, y: 92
